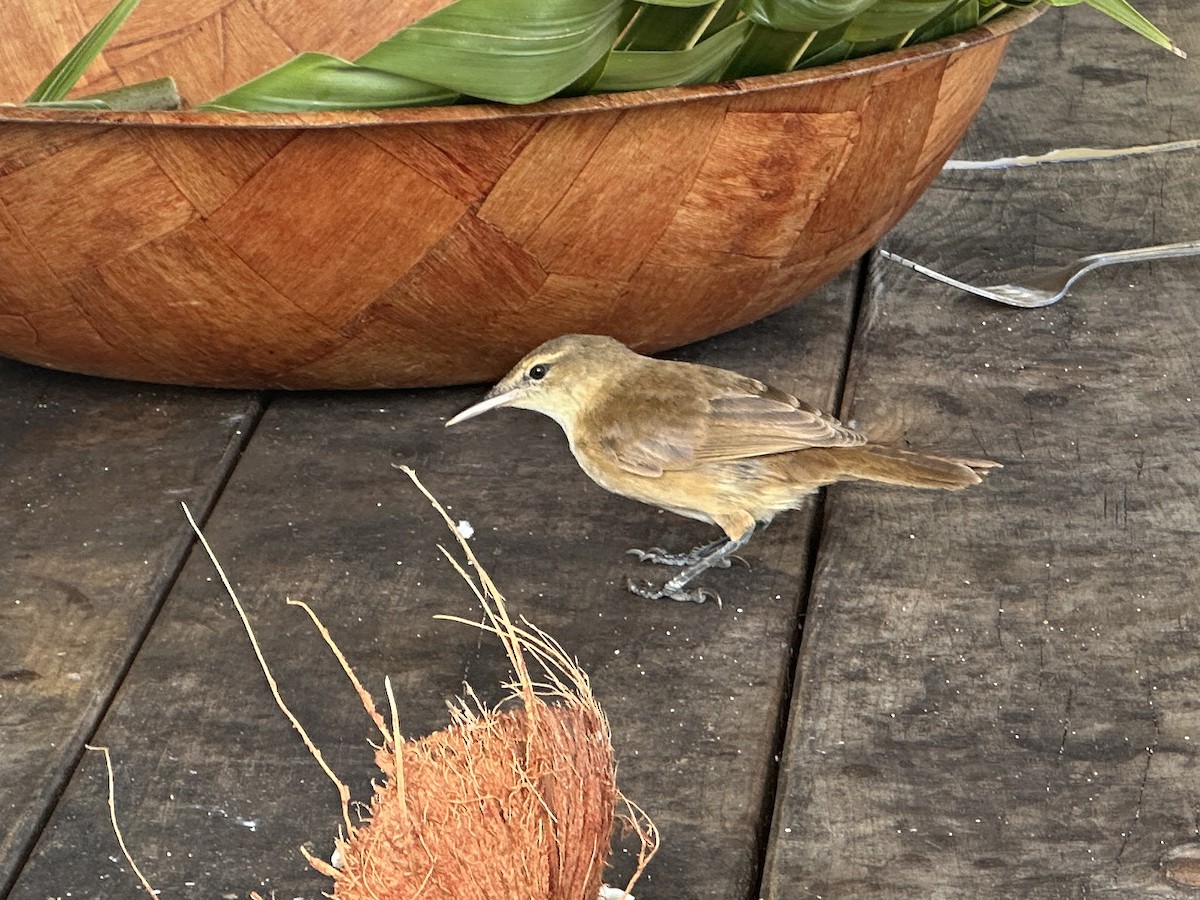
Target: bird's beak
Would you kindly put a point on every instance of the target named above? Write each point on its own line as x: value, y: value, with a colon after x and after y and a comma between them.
x: 491, y: 401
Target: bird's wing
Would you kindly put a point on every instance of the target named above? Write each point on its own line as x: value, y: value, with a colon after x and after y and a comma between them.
x: 649, y: 445
x: 755, y: 419
x: 726, y: 417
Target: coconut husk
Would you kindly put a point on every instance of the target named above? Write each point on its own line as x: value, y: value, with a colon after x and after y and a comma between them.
x: 503, y: 804
x: 508, y: 806
x: 513, y: 802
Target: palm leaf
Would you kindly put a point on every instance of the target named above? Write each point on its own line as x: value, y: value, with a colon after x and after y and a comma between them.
x: 959, y: 16
x: 1124, y: 13
x: 634, y: 70
x: 827, y: 48
x: 62, y: 78
x: 890, y: 18
x: 315, y: 82
x: 662, y: 27
x: 676, y: 4
x: 804, y: 15
x: 521, y: 51
x: 768, y: 50
x: 511, y: 51
x: 65, y: 104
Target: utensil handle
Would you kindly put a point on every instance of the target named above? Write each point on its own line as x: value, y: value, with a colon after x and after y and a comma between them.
x: 938, y: 276
x: 1160, y: 251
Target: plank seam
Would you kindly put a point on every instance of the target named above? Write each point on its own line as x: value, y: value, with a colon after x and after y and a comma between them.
x: 234, y: 449
x: 863, y: 291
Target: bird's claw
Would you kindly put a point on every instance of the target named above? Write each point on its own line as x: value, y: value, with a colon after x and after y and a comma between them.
x: 650, y: 592
x: 659, y: 556
x: 655, y: 555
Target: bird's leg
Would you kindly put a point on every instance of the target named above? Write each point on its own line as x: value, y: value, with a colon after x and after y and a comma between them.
x: 661, y: 557
x: 675, y: 589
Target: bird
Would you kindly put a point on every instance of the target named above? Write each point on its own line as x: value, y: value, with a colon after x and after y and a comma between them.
x: 704, y: 442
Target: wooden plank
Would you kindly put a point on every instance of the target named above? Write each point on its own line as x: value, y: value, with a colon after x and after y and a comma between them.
x: 91, y: 473
x: 1075, y: 78
x: 996, y: 691
x: 216, y: 792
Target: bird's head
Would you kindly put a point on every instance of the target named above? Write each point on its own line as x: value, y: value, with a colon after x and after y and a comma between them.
x: 558, y: 378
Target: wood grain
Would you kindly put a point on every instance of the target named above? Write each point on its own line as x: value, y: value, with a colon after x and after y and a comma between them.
x: 1078, y: 80
x: 212, y: 774
x: 209, y: 46
x: 751, y: 164
x: 1029, y: 700
x: 91, y: 474
x: 649, y: 197
x: 996, y: 694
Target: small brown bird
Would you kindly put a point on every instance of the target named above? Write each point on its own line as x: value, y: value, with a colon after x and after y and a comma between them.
x: 702, y: 442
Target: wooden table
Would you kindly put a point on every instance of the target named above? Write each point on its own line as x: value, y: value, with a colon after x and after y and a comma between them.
x: 987, y: 694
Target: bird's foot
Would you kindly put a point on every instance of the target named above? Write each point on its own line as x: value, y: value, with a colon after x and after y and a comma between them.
x: 661, y: 557
x: 651, y: 592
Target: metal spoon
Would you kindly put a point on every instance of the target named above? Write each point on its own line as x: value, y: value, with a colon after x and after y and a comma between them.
x: 1051, y: 288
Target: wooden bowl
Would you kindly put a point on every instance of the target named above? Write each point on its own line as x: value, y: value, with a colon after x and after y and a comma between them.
x: 435, y: 246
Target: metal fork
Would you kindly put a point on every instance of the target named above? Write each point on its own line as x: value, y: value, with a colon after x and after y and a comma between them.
x: 1051, y: 288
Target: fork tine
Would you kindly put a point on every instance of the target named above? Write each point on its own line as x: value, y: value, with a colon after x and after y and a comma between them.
x: 1047, y: 289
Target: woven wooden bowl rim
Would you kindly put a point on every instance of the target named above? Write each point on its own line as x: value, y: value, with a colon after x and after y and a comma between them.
x: 998, y: 27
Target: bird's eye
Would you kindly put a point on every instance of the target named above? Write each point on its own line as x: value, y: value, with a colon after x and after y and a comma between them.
x: 538, y: 372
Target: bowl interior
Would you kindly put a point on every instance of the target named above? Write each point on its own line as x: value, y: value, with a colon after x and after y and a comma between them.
x: 211, y: 46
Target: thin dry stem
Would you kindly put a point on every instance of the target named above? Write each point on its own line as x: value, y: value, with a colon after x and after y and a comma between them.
x: 319, y: 864
x: 648, y: 836
x: 342, y: 789
x: 463, y: 574
x: 112, y: 815
x: 549, y: 654
x: 397, y: 745
x: 498, y: 622
x: 498, y: 610
x: 364, y: 695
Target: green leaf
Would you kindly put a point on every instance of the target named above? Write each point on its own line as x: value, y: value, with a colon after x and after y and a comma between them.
x: 64, y: 104
x: 804, y: 15
x: 314, y: 82
x: 827, y: 49
x: 888, y: 18
x: 676, y: 4
x: 658, y: 27
x: 521, y: 51
x: 157, y: 93
x: 1124, y: 13
x: 767, y: 51
x: 511, y: 51
x: 62, y: 77
x: 960, y: 16
x: 728, y: 13
x: 633, y: 70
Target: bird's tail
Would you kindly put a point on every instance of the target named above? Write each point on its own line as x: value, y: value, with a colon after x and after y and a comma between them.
x: 913, y: 468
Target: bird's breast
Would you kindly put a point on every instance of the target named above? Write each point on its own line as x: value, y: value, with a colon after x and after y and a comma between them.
x: 679, y: 492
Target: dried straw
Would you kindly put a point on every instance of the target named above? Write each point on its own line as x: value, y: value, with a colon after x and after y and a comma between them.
x: 505, y: 803
x: 514, y: 802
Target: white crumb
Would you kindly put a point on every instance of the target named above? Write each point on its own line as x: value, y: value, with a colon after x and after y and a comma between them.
x: 466, y: 529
